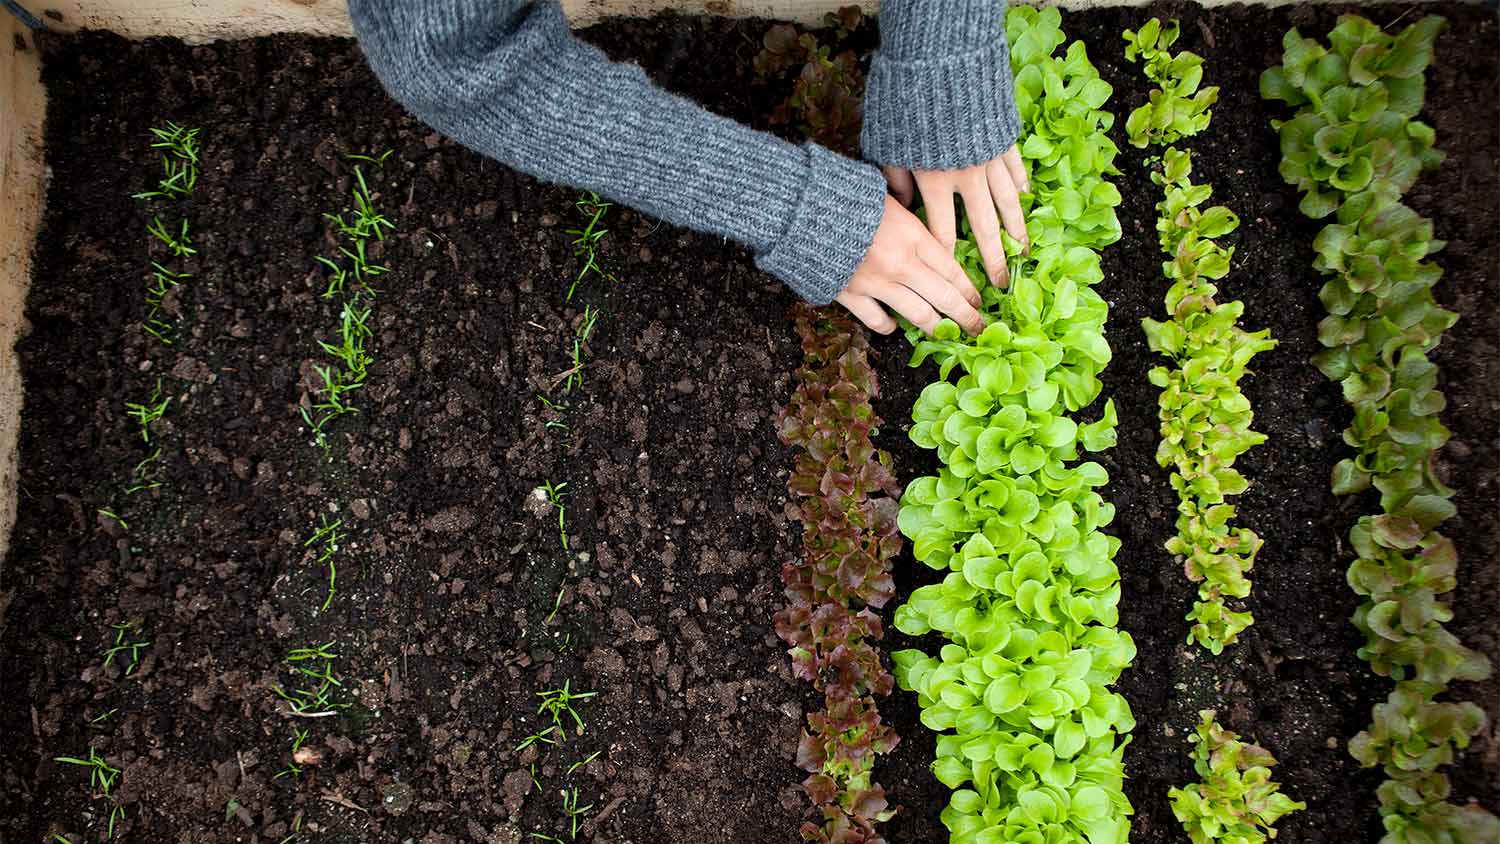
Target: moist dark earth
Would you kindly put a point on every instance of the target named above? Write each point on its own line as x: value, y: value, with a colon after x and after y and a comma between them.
x: 444, y: 615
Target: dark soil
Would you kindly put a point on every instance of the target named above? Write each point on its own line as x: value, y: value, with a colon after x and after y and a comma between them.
x: 447, y: 585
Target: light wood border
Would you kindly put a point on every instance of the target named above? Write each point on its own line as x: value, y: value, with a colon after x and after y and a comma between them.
x: 22, y: 182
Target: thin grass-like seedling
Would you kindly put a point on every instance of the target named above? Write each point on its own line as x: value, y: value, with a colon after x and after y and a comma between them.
x: 112, y: 516
x: 296, y: 830
x: 558, y: 703
x: 378, y: 161
x: 327, y: 537
x: 586, y: 240
x: 584, y: 761
x: 570, y: 806
x: 102, y: 776
x: 315, y: 700
x: 121, y: 646
x: 145, y: 474
x: 145, y: 413
x: 180, y: 244
x: 179, y: 162
x: 542, y: 737
x: 337, y: 278
x: 555, y: 498
x: 580, y: 345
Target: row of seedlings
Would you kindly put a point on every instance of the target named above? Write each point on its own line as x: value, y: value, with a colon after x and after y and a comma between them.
x: 1205, y: 427
x: 178, y: 148
x: 1031, y: 738
x: 1354, y: 147
x: 845, y: 498
x: 314, y: 692
x: 562, y: 717
x: 1205, y: 418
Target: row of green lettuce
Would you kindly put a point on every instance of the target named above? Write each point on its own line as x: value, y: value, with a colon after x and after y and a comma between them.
x: 1205, y: 426
x: 1205, y: 417
x: 1031, y: 737
x: 1354, y: 147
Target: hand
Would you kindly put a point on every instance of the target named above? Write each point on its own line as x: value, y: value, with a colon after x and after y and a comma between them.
x: 985, y: 188
x: 907, y: 270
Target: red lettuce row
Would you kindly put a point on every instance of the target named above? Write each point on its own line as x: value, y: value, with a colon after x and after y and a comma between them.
x: 845, y: 496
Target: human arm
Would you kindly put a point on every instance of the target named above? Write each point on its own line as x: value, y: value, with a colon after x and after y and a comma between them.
x: 940, y: 117
x: 508, y: 79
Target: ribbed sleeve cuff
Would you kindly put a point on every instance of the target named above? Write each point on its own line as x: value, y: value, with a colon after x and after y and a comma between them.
x: 941, y: 113
x: 831, y: 229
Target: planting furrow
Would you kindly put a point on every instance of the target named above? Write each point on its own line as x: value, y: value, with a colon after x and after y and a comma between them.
x: 178, y: 148
x: 1205, y: 417
x: 845, y: 499
x: 1354, y: 148
x: 1031, y: 738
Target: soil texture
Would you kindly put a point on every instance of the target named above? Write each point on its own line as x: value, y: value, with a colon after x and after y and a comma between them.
x: 460, y: 599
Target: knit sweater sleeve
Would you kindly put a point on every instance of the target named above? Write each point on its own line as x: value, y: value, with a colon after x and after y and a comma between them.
x: 939, y: 94
x: 508, y: 79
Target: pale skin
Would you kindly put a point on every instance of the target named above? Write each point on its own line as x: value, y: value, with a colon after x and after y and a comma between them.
x: 910, y: 268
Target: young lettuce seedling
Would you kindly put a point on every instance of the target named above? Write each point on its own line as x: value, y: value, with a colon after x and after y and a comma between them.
x: 1236, y: 800
x: 1178, y: 108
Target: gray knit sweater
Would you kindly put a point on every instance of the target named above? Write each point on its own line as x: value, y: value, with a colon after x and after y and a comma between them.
x: 507, y: 79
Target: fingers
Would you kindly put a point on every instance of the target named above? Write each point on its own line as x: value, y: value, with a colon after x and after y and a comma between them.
x: 986, y: 225
x: 909, y: 304
x: 1017, y: 169
x: 900, y: 181
x: 941, y: 261
x: 937, y: 198
x: 867, y: 311
x: 940, y: 293
x: 1007, y: 200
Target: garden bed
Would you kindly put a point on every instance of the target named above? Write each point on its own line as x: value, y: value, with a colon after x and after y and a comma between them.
x: 456, y: 602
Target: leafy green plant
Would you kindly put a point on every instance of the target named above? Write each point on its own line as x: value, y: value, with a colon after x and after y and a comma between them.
x: 1031, y: 737
x: 1205, y: 417
x: 586, y: 240
x: 844, y: 495
x: 1355, y: 129
x: 1354, y: 147
x: 1236, y: 801
x: 1178, y: 107
x: 826, y: 102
